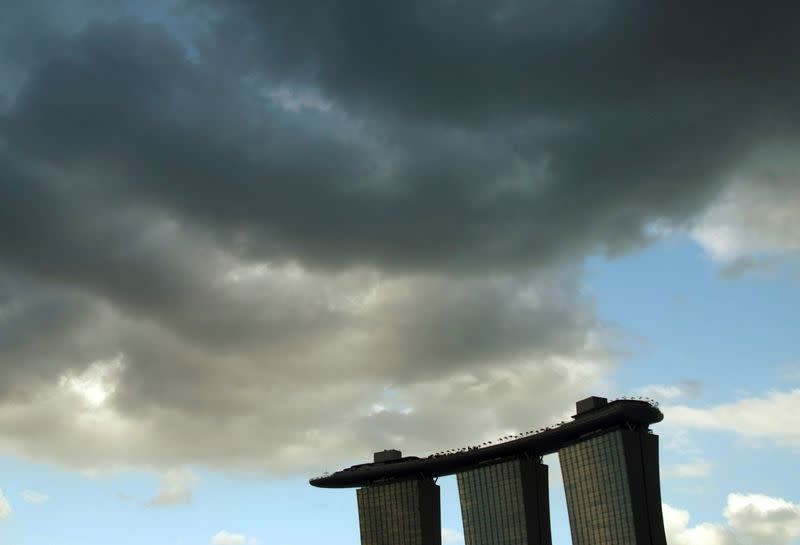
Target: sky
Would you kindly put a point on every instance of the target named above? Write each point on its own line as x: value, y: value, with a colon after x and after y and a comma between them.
x: 244, y: 243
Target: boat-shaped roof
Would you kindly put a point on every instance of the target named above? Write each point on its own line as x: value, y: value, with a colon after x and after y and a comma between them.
x: 635, y: 413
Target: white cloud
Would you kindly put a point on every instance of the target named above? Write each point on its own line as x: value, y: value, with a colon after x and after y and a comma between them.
x: 667, y: 392
x: 676, y: 526
x: 775, y: 417
x: 97, y: 382
x: 31, y: 496
x: 659, y: 392
x: 752, y: 519
x: 223, y: 537
x: 695, y: 468
x: 5, y: 507
x: 757, y: 218
x: 763, y: 520
x: 175, y: 487
x: 452, y: 537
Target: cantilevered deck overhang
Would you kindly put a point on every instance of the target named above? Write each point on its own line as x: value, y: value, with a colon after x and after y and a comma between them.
x: 633, y: 413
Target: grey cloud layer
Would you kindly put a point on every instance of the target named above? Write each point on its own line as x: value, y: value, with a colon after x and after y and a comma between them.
x: 457, y: 135
x: 273, y: 400
x: 304, y: 230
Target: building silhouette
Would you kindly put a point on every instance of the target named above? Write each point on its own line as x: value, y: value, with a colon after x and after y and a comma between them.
x: 609, y: 461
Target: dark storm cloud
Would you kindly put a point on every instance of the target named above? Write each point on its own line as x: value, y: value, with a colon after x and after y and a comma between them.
x: 36, y: 324
x: 51, y: 228
x: 458, y: 135
x: 471, y: 60
x: 270, y: 230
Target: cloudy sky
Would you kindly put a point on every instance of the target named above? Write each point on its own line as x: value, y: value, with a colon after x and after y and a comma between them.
x: 242, y: 243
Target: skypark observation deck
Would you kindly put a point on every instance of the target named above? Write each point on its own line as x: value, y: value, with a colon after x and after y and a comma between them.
x: 609, y: 465
x: 592, y: 418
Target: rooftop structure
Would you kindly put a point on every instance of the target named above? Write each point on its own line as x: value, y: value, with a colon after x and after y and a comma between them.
x: 592, y: 416
x: 609, y: 462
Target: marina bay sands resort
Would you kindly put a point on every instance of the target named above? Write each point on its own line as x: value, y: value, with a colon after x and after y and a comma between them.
x: 609, y: 463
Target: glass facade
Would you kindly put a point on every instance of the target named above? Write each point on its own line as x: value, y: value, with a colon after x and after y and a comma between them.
x: 505, y: 504
x: 596, y: 483
x: 400, y: 513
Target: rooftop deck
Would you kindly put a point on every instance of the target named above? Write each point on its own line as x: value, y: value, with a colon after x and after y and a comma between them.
x: 636, y: 413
